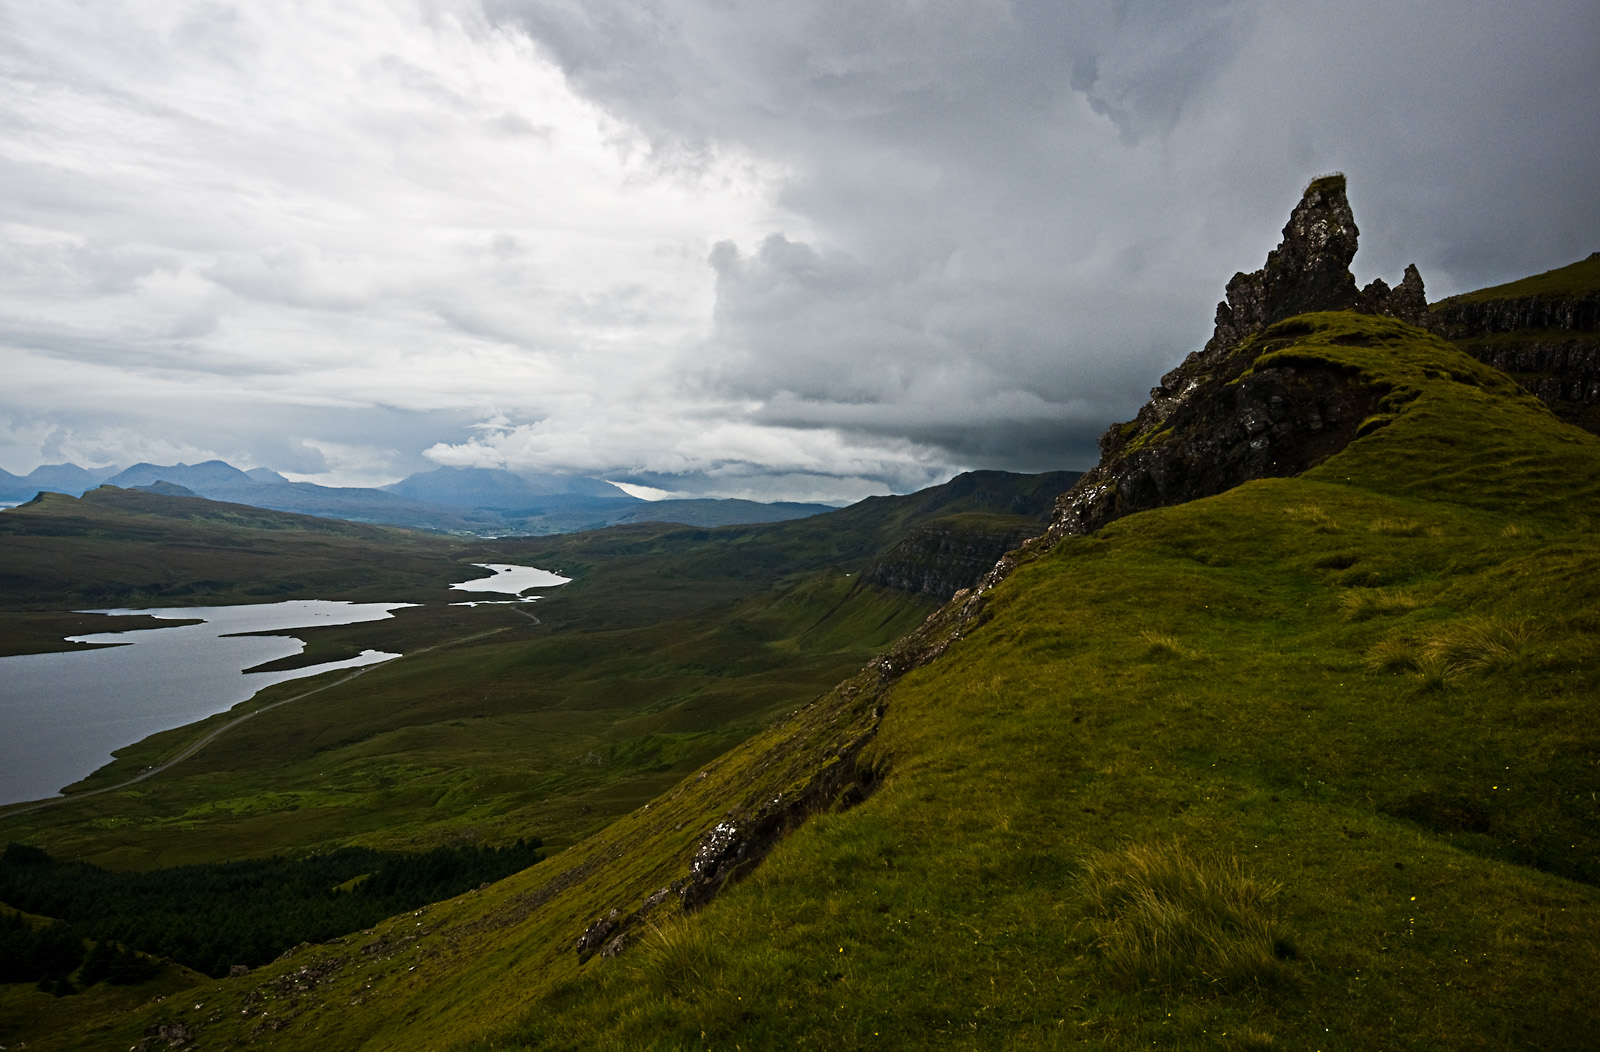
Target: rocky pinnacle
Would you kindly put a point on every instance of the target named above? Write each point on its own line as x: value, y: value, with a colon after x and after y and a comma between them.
x: 1208, y: 426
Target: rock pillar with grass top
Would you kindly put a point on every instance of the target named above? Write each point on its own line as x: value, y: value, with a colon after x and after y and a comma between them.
x: 1222, y: 417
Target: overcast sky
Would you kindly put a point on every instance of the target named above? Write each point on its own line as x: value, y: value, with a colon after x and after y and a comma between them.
x: 786, y: 250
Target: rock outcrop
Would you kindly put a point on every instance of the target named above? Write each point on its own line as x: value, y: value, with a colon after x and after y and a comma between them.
x: 942, y: 557
x: 1543, y: 331
x: 1407, y: 301
x: 1216, y: 421
x: 1310, y: 271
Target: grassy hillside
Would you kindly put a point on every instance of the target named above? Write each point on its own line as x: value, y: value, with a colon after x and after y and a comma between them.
x: 1573, y: 281
x: 1309, y: 764
x: 1367, y: 692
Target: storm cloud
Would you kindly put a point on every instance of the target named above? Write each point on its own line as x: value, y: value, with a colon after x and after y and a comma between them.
x: 811, y: 250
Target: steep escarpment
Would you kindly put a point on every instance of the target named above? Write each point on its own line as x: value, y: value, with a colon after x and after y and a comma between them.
x: 1218, y: 419
x: 942, y: 557
x: 971, y: 522
x: 1543, y: 330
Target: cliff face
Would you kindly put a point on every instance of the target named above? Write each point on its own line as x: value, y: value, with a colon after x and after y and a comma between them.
x: 1544, y: 331
x: 966, y: 526
x: 1217, y: 421
x: 1558, y: 371
x: 940, y: 558
x: 1569, y: 310
x: 1214, y: 429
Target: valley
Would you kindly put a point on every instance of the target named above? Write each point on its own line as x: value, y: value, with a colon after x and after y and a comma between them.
x: 668, y: 646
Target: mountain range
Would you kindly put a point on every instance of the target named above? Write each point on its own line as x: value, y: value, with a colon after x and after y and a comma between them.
x: 487, y: 502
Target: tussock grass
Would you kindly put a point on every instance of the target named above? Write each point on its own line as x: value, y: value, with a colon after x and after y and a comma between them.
x: 1320, y: 521
x: 1166, y: 916
x: 1471, y: 645
x: 1433, y: 673
x: 1398, y: 527
x: 1361, y: 603
x: 1480, y: 643
x: 1162, y: 645
x: 676, y: 956
x: 1395, y: 654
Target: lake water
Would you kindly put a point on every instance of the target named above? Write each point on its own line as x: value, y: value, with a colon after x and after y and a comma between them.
x: 511, y: 579
x: 62, y: 714
x: 506, y: 579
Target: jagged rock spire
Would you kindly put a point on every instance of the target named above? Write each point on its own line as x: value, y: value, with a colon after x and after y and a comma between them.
x: 1310, y: 271
x: 1214, y: 422
x: 1407, y: 301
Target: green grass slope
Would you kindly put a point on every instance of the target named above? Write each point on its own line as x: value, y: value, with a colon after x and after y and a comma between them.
x: 1573, y: 281
x: 1309, y: 764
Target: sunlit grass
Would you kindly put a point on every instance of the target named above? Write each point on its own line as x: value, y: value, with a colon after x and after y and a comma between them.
x: 1318, y: 519
x: 1163, y: 645
x: 1165, y: 915
x: 1398, y: 527
x: 1362, y: 603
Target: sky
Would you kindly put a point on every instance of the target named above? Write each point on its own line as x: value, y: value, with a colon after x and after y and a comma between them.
x: 809, y: 250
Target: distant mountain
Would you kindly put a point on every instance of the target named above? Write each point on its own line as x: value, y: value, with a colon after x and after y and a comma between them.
x: 483, y: 502
x: 707, y: 511
x: 51, y: 478
x: 499, y: 490
x: 198, y: 477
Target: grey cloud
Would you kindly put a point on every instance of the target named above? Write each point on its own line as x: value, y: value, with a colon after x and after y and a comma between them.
x: 1158, y: 56
x: 948, y: 234
x: 1048, y: 198
x: 74, y: 268
x: 298, y: 276
x: 517, y: 124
